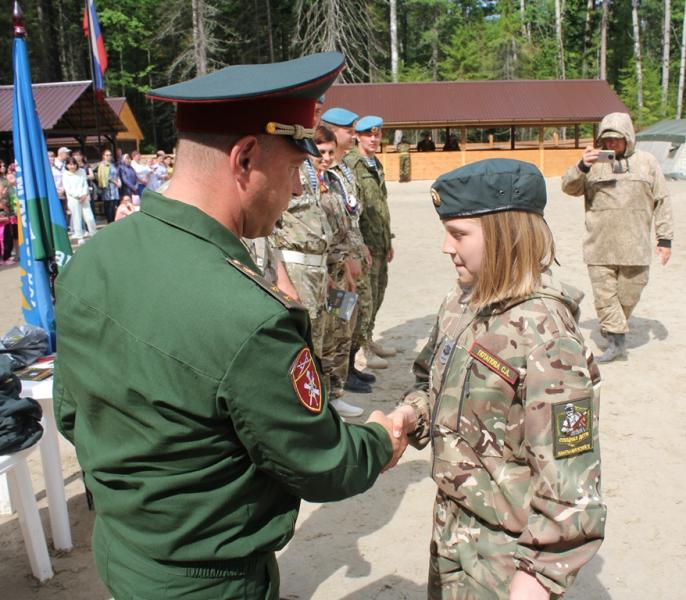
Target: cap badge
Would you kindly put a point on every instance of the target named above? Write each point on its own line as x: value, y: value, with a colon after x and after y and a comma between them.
x: 297, y: 132
x: 435, y: 197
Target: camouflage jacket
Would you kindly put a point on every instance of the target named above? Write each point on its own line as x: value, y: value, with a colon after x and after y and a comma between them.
x: 621, y: 201
x: 375, y: 218
x: 346, y: 183
x: 264, y: 255
x: 492, y: 393
x: 333, y: 203
x: 303, y: 226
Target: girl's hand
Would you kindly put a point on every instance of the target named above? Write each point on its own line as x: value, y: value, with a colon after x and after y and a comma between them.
x: 527, y: 587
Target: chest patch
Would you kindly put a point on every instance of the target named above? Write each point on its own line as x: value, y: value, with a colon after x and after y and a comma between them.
x: 305, y: 380
x: 573, y: 427
x: 494, y: 363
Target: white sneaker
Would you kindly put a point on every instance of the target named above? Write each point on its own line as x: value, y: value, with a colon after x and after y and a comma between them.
x: 346, y: 410
x: 382, y: 351
x: 365, y: 358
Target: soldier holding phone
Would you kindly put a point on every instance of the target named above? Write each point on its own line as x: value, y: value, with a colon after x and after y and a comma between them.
x: 625, y: 191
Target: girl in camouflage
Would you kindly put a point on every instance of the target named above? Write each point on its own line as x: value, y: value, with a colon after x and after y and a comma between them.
x: 518, y: 510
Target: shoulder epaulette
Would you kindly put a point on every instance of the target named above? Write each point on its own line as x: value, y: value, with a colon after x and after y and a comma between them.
x: 271, y: 289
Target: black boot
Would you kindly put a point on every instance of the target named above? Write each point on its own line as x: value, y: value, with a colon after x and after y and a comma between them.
x: 361, y: 375
x: 356, y: 385
x: 615, y: 349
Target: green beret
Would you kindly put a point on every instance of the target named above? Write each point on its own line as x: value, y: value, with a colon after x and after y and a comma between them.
x: 489, y: 186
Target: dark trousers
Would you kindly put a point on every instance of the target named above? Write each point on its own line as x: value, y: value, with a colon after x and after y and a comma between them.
x: 7, y: 241
x: 110, y: 208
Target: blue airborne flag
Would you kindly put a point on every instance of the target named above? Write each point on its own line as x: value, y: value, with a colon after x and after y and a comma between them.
x: 44, y: 241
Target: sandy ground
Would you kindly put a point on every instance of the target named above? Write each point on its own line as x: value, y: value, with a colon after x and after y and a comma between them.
x: 376, y: 545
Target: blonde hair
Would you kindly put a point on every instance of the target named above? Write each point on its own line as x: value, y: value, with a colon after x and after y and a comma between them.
x: 518, y: 247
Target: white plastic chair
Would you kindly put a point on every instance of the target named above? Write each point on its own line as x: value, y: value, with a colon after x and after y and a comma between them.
x: 24, y: 500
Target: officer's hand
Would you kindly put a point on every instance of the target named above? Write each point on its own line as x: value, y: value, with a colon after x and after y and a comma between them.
x: 526, y: 587
x: 390, y: 255
x: 590, y: 155
x: 398, y: 438
x: 663, y: 254
x: 404, y: 420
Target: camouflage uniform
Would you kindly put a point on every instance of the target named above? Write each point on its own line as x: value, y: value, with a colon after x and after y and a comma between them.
x: 265, y: 256
x: 375, y: 224
x: 405, y: 164
x: 516, y: 490
x: 340, y: 204
x: 621, y: 200
x: 302, y: 235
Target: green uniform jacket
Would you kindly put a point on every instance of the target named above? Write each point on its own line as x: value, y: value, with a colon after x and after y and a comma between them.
x: 173, y: 382
x: 375, y: 218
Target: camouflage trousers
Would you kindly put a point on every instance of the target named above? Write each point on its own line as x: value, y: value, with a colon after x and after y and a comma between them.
x: 405, y: 173
x: 365, y: 307
x: 310, y: 282
x: 469, y: 559
x: 616, y: 292
x: 378, y: 280
x: 338, y: 335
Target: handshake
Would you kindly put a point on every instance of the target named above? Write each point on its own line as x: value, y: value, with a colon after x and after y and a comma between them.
x: 397, y: 424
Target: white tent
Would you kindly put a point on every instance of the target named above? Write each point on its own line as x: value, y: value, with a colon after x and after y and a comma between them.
x: 666, y: 141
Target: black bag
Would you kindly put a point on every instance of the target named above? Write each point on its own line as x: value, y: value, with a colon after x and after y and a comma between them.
x: 24, y: 345
x: 19, y: 417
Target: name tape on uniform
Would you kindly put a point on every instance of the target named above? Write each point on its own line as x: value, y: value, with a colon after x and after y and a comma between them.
x: 494, y: 363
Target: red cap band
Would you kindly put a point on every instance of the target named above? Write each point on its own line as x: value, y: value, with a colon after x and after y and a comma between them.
x: 249, y: 116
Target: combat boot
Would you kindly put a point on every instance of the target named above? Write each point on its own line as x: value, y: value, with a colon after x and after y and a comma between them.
x: 355, y: 385
x: 361, y: 375
x: 366, y: 358
x: 615, y: 349
x: 382, y: 351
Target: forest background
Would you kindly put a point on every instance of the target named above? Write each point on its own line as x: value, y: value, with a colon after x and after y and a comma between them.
x: 637, y: 45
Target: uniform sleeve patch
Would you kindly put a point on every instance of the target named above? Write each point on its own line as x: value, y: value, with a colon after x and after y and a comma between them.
x: 573, y: 427
x: 306, y: 382
x: 271, y: 289
x: 495, y: 363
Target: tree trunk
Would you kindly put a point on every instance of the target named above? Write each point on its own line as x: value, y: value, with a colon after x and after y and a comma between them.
x: 269, y: 30
x: 199, y: 37
x: 603, y: 39
x: 393, y: 26
x: 637, y: 53
x: 526, y: 30
x: 666, y: 34
x: 682, y: 68
x: 560, y: 42
x: 587, y: 38
x: 65, y: 63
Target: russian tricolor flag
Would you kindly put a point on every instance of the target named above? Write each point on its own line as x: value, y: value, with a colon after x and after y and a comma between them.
x: 91, y: 29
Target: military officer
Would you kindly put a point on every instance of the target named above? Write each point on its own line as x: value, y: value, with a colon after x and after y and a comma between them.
x: 186, y: 381
x: 375, y: 224
x: 518, y: 509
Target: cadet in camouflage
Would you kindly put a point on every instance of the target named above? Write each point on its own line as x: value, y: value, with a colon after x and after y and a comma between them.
x: 507, y: 393
x: 302, y: 234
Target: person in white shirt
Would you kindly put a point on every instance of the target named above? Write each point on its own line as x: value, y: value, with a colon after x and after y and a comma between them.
x: 76, y: 189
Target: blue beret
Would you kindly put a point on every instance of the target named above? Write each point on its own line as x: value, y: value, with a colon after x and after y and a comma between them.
x: 340, y: 116
x: 368, y: 123
x: 489, y: 186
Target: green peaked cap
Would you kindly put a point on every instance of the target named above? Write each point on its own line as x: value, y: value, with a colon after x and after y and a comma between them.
x: 489, y: 186
x: 275, y: 98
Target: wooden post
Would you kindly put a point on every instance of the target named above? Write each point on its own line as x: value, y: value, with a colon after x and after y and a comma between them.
x: 512, y: 138
x: 576, y: 135
x: 556, y: 138
x: 490, y: 140
x: 541, y: 150
x: 463, y: 144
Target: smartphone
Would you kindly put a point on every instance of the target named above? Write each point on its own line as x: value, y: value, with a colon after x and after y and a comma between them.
x: 606, y: 156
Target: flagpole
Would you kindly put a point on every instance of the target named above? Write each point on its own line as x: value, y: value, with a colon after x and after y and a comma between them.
x: 92, y: 67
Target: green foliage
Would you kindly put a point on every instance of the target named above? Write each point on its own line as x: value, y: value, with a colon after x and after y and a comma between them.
x: 150, y: 44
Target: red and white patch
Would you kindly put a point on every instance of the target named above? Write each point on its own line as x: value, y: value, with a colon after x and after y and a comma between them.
x: 306, y: 382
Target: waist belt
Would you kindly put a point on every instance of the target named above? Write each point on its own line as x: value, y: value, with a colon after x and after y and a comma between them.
x: 311, y: 260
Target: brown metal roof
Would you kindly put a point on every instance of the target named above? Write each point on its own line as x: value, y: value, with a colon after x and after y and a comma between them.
x: 479, y: 103
x: 116, y: 104
x: 64, y: 108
